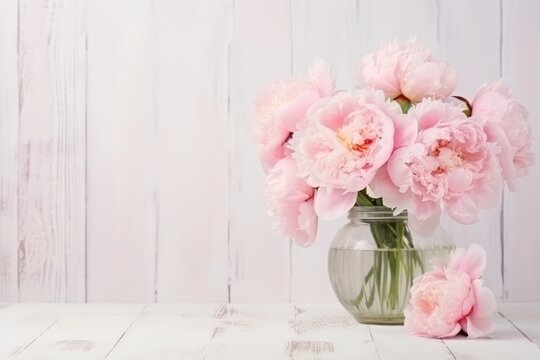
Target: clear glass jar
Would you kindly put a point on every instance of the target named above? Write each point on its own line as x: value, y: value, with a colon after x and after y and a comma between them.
x: 373, y: 260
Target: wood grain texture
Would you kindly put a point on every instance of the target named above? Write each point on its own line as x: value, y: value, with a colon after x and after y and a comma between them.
x: 51, y: 202
x: 521, y: 56
x: 126, y: 125
x: 192, y: 149
x: 170, y: 331
x: 238, y: 335
x: 496, y: 345
x: 525, y: 317
x: 326, y: 331
x: 458, y: 49
x: 384, y: 21
x: 82, y: 333
x: 9, y: 145
x: 259, y: 259
x: 24, y: 325
x: 121, y: 179
x: 393, y: 342
x: 244, y: 331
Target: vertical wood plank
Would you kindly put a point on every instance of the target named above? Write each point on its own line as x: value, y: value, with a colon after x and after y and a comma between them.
x: 521, y: 56
x: 121, y: 211
x: 477, y: 62
x: 191, y: 118
x: 260, y: 54
x: 51, y: 201
x: 329, y: 30
x: 9, y: 142
x: 386, y: 20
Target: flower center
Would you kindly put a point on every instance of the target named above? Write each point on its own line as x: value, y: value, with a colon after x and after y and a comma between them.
x: 430, y: 300
x: 349, y: 144
x: 447, y: 157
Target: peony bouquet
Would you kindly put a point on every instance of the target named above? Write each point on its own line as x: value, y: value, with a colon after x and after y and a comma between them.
x: 401, y: 140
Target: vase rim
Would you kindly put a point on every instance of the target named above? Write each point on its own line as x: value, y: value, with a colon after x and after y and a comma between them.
x: 376, y: 212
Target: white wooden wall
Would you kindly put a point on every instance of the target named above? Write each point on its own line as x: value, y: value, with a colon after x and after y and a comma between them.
x: 127, y: 172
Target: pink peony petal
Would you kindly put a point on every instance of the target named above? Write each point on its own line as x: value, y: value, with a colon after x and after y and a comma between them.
x: 269, y: 158
x: 307, y: 223
x: 496, y: 134
x: 321, y: 76
x: 405, y: 131
x: 333, y: 203
x: 471, y: 261
x: 291, y: 202
x: 507, y: 125
x: 485, y: 302
x: 464, y: 209
x: 426, y: 226
x: 398, y: 169
x: 459, y: 180
x: 479, y: 322
x: 382, y: 186
x: 290, y: 115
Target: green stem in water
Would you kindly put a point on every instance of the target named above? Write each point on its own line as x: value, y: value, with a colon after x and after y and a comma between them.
x: 398, y: 261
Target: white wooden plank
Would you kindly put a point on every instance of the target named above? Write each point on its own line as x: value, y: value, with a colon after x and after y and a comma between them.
x: 243, y: 331
x: 9, y: 137
x: 170, y: 331
x: 477, y: 62
x: 191, y: 120
x: 525, y: 317
x: 328, y: 30
x: 506, y: 342
x: 521, y: 56
x: 88, y: 332
x: 259, y: 259
x: 121, y: 211
x: 253, y: 331
x: 51, y: 201
x: 20, y: 325
x: 327, y: 331
x: 393, y: 342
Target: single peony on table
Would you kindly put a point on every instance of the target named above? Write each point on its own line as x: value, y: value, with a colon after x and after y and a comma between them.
x: 401, y: 140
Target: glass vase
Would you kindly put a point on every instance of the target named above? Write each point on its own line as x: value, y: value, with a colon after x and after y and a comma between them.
x: 374, y: 259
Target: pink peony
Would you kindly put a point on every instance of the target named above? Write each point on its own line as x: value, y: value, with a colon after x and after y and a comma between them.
x: 450, y: 167
x: 407, y: 69
x: 346, y: 139
x: 291, y: 202
x: 507, y: 125
x: 447, y: 300
x: 283, y: 106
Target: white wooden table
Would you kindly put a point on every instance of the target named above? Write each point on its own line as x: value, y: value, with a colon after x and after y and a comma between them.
x: 242, y: 331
